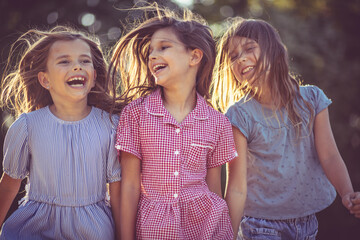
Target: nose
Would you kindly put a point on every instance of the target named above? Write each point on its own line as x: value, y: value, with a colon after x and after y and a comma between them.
x: 77, y: 66
x: 242, y: 58
x: 152, y: 55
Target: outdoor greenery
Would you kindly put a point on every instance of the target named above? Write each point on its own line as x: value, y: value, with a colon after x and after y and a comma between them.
x: 322, y: 37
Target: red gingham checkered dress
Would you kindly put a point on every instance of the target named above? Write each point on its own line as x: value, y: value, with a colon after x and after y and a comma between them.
x: 175, y: 201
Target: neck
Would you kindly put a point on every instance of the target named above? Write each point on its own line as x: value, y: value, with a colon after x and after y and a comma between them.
x: 265, y: 97
x: 179, y: 103
x: 74, y: 112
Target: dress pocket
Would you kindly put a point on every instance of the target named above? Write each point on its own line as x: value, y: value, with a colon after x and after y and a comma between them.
x: 198, y: 154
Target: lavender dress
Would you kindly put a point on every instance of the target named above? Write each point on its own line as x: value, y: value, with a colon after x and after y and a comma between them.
x: 67, y: 165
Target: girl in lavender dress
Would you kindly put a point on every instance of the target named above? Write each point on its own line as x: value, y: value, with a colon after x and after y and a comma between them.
x: 62, y: 141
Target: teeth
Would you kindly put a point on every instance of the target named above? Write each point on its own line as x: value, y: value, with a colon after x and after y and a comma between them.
x: 77, y: 78
x: 158, y: 67
x: 76, y: 81
x: 247, y: 69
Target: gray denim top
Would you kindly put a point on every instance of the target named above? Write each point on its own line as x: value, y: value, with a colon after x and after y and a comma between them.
x: 285, y: 179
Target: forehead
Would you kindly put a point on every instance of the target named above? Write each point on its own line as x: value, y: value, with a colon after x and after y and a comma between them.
x: 239, y: 42
x: 164, y: 35
x: 69, y: 47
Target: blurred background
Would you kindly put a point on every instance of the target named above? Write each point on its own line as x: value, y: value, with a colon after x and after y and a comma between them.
x: 322, y: 37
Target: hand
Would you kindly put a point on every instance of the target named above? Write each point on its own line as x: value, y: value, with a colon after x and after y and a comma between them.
x: 355, y: 208
x: 346, y: 200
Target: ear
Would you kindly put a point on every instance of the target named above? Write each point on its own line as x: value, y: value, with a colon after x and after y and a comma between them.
x: 43, y: 80
x: 196, y: 56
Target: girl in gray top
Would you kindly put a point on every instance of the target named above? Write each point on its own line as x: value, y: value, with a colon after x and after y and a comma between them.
x: 283, y: 134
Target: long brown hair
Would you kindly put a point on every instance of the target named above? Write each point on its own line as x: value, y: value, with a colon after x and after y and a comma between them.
x: 272, y: 65
x: 130, y: 55
x: 21, y: 91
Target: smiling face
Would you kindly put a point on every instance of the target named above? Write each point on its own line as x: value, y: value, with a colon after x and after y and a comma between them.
x: 169, y: 60
x: 244, y: 54
x: 70, y: 73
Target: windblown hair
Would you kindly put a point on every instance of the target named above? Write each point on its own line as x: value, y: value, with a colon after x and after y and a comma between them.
x: 130, y: 56
x: 272, y: 66
x: 21, y: 91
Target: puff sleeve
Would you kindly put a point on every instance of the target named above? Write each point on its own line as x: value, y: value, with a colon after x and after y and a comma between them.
x: 128, y: 135
x: 318, y: 98
x: 16, y: 150
x: 240, y: 120
x: 113, y: 164
x: 224, y: 150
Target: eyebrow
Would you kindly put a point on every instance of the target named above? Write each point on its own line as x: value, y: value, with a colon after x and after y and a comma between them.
x: 67, y: 56
x: 165, y: 40
x: 249, y: 42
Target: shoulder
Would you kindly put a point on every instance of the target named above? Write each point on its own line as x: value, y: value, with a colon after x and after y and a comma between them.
x: 135, y: 105
x: 105, y: 117
x: 310, y: 91
x: 214, y: 113
x: 21, y: 125
x: 244, y: 107
x: 134, y: 109
x: 218, y: 118
x: 20, y: 122
x: 37, y: 113
x: 313, y: 94
x: 35, y: 117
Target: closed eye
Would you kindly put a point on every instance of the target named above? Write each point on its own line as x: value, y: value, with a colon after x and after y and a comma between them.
x: 250, y: 49
x: 63, y: 62
x: 86, y: 61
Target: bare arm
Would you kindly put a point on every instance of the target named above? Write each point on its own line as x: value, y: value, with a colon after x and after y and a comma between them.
x: 9, y: 188
x: 129, y: 194
x: 114, y: 191
x: 330, y: 158
x: 213, y: 180
x: 236, y: 189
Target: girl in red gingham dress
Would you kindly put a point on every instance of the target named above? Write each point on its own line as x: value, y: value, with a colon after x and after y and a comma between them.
x: 171, y: 142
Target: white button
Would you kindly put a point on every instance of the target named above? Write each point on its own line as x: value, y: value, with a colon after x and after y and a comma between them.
x: 176, y: 195
x: 177, y: 130
x: 176, y: 173
x: 176, y: 152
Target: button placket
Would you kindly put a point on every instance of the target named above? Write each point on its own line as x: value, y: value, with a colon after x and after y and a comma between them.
x: 177, y: 156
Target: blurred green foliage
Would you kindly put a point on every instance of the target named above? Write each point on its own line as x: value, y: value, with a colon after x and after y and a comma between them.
x: 322, y: 37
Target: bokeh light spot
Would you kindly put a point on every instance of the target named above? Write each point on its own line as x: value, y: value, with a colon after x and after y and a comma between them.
x: 226, y: 11
x: 207, y: 2
x: 256, y: 9
x: 114, y: 33
x: 87, y: 19
x: 52, y: 17
x: 184, y: 3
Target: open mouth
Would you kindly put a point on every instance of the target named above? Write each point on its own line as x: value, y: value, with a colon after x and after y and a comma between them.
x: 247, y: 69
x: 158, y: 67
x: 76, y: 81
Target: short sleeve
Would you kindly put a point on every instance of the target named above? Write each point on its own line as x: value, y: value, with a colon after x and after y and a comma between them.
x: 318, y: 98
x: 239, y: 119
x: 113, y: 165
x: 128, y: 137
x: 224, y: 150
x: 16, y: 149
